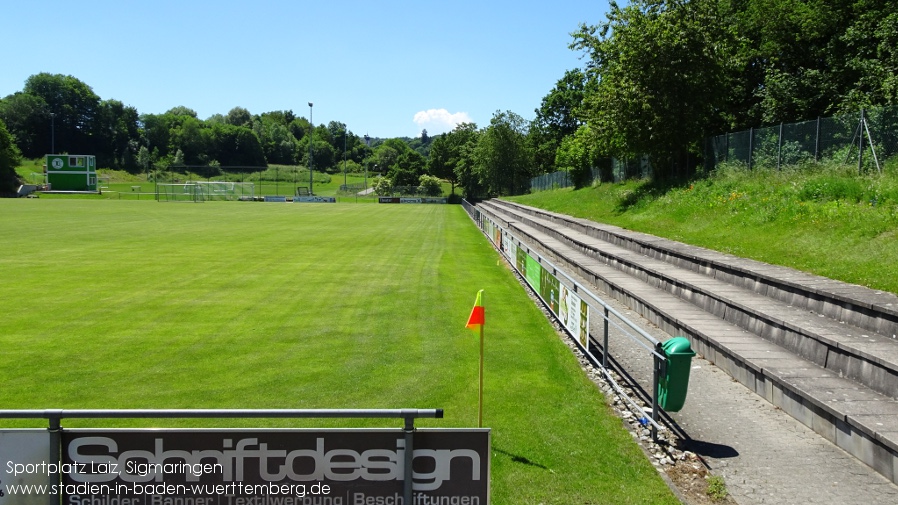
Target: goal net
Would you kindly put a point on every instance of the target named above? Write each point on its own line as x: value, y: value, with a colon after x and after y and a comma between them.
x: 222, y: 190
x: 189, y: 192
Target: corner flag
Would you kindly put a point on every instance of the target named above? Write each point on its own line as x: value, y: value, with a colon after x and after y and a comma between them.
x: 476, y: 320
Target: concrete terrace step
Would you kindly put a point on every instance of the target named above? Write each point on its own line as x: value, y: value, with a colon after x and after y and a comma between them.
x: 858, y: 353
x: 865, y: 308
x: 854, y: 416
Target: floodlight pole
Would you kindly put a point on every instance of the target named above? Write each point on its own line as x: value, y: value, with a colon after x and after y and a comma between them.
x: 367, y: 143
x: 311, y: 134
x: 52, y: 133
x: 344, y: 156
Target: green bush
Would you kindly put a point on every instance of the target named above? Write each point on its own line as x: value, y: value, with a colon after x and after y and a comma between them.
x: 430, y: 186
x: 383, y: 186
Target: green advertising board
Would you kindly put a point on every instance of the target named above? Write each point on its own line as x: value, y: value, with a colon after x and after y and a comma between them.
x: 533, y: 273
x: 521, y: 260
x: 549, y: 289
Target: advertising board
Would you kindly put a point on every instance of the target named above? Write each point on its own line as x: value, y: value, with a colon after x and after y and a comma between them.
x: 314, y: 199
x: 272, y: 467
x: 26, y: 468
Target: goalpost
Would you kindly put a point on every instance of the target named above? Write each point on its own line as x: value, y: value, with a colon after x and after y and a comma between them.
x: 201, y: 191
x: 223, y: 190
x: 188, y: 192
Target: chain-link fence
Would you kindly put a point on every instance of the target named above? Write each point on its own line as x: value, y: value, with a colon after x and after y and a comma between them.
x: 865, y: 138
x: 620, y: 170
x: 560, y: 179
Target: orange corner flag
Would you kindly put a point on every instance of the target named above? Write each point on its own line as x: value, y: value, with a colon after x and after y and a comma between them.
x: 476, y: 320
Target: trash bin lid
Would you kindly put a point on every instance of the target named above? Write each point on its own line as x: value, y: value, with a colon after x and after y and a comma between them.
x: 679, y: 346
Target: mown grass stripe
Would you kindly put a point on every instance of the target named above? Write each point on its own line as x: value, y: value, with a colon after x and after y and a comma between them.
x: 248, y: 305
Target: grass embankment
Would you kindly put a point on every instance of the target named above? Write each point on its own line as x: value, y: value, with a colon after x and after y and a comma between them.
x: 126, y: 304
x: 823, y: 219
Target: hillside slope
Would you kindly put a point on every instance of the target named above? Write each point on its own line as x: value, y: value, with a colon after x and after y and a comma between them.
x: 825, y: 219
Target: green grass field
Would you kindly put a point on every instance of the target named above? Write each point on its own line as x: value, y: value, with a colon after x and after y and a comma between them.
x: 139, y: 304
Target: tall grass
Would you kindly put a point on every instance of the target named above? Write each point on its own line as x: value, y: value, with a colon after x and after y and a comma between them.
x: 821, y: 218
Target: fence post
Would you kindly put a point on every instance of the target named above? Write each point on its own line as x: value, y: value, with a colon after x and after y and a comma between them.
x: 860, y: 145
x: 751, y: 139
x: 779, y: 148
x: 817, y: 142
x: 55, y: 429
x: 605, y: 343
x: 656, y: 378
x: 726, y: 157
x: 407, y: 485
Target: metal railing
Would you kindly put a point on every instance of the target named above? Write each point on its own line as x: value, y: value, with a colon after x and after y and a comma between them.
x: 55, y: 416
x: 597, y: 304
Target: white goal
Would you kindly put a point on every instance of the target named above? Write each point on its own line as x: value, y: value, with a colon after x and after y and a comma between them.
x: 188, y: 192
x: 223, y: 190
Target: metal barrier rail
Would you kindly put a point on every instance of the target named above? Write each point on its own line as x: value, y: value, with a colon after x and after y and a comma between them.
x: 599, y: 305
x: 55, y: 417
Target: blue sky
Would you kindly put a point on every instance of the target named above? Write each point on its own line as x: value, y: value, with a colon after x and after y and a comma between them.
x: 388, y: 68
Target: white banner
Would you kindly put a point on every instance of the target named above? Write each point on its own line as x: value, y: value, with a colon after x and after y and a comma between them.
x: 574, y: 316
x: 26, y: 467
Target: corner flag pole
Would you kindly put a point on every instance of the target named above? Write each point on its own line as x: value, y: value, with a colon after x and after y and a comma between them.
x: 476, y: 321
x: 480, y: 402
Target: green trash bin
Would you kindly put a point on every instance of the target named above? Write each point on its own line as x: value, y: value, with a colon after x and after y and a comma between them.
x: 674, y: 380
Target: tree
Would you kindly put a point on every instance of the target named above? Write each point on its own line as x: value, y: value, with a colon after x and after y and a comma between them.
x: 448, y: 150
x: 235, y: 146
x: 75, y: 106
x: 408, y: 169
x: 239, y: 116
x: 871, y: 43
x: 466, y: 168
x: 387, y: 154
x: 660, y: 68
x: 27, y: 118
x: 143, y: 159
x: 438, y: 164
x: 557, y: 117
x: 188, y: 136
x: 278, y: 143
x: 323, y: 155
x: 577, y: 155
x: 282, y: 117
x: 503, y: 159
x: 9, y: 160
x: 182, y: 111
x: 115, y: 135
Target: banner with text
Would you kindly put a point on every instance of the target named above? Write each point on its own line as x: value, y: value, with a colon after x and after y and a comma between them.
x: 272, y: 467
x: 568, y: 307
x: 27, y: 467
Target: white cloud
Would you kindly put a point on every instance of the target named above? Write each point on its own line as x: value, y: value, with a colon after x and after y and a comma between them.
x: 438, y: 121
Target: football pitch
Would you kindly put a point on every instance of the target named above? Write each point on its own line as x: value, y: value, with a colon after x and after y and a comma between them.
x: 137, y: 304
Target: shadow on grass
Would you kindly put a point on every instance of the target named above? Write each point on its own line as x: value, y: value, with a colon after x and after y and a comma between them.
x: 651, y: 189
x: 520, y: 459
